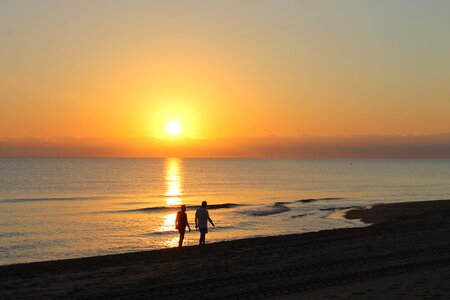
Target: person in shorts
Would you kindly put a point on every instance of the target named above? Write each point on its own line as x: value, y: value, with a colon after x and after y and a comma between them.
x: 181, y: 222
x: 201, y: 221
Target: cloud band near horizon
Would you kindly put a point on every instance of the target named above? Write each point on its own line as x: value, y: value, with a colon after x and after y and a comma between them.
x: 373, y: 146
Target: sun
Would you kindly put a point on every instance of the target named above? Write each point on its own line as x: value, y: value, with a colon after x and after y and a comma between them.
x: 173, y: 128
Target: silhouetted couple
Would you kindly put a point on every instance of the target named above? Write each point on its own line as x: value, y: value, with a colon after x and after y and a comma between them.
x: 201, y: 222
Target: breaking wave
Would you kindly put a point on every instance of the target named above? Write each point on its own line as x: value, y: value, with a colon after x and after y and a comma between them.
x: 339, y: 208
x: 172, y: 208
x: 277, y: 208
x: 318, y: 199
x: 299, y: 216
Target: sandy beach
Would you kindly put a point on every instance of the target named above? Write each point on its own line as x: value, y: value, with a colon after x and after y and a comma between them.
x: 405, y: 254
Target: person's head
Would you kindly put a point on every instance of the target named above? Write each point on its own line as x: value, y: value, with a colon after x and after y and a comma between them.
x: 183, y: 207
x: 204, y: 204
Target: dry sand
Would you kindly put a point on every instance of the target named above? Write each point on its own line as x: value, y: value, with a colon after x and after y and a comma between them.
x: 404, y: 255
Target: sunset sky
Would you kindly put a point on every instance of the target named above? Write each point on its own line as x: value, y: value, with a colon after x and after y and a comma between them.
x: 223, y: 69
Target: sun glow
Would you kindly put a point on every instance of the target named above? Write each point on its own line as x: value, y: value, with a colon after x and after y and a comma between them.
x: 173, y: 128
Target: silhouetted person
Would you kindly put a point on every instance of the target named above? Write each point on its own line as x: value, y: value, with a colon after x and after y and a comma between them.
x: 201, y: 221
x: 181, y: 222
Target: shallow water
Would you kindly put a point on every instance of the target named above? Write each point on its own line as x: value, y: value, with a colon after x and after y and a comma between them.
x: 63, y: 208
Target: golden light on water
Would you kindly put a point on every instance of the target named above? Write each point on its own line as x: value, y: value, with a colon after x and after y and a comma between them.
x: 173, y: 195
x: 169, y: 222
x: 167, y: 225
x: 173, y: 182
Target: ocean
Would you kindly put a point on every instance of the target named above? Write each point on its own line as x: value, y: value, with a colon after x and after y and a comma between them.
x: 56, y: 208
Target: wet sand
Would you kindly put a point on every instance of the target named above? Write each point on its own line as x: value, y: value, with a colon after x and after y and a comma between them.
x: 405, y: 254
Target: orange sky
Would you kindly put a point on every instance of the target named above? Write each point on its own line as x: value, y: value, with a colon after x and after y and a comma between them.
x: 223, y: 68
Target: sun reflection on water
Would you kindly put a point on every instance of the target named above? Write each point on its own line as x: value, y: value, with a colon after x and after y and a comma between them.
x: 172, y: 242
x: 169, y: 222
x: 173, y: 181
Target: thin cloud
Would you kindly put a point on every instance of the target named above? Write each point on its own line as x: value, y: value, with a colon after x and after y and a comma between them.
x: 373, y: 146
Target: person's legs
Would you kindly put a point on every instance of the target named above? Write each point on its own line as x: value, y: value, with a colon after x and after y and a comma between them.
x: 180, y: 243
x: 202, y: 238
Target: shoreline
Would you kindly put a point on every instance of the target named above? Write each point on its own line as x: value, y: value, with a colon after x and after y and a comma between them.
x: 403, y: 238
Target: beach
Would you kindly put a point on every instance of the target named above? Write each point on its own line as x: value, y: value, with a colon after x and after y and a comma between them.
x: 308, y: 140
x: 404, y: 254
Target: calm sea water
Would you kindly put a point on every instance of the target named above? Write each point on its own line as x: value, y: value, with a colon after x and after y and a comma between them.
x: 65, y: 208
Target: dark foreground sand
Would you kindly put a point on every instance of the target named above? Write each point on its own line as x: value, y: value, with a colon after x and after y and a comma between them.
x: 404, y: 255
